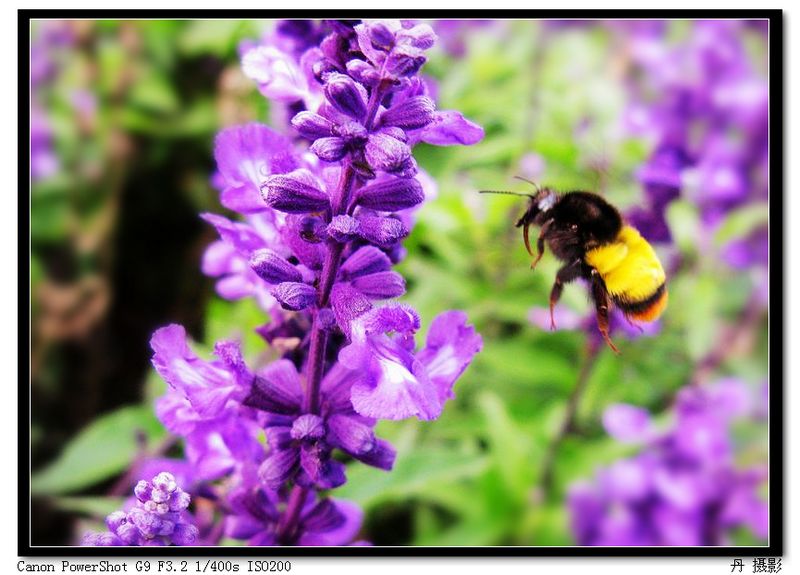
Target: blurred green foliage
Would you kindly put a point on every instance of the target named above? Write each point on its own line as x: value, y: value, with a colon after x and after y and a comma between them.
x: 475, y: 476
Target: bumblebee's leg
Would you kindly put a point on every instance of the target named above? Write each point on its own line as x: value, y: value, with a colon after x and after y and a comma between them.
x: 539, y: 243
x: 566, y: 274
x: 601, y: 302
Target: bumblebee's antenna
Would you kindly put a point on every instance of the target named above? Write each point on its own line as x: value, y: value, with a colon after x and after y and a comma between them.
x: 531, y: 182
x: 505, y: 193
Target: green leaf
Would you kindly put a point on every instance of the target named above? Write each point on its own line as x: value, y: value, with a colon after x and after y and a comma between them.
x: 684, y: 224
x: 216, y: 37
x: 154, y: 93
x: 412, y: 474
x: 92, y: 506
x: 99, y: 451
x: 740, y: 223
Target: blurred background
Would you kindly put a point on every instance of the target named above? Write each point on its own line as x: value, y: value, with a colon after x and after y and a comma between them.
x: 668, y: 120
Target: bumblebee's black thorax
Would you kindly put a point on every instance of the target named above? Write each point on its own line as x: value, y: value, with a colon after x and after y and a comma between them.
x: 576, y: 222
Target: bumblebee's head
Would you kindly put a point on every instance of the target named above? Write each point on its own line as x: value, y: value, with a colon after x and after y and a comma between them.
x: 543, y: 201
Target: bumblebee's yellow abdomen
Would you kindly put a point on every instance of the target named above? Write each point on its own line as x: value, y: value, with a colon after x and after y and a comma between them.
x: 631, y: 270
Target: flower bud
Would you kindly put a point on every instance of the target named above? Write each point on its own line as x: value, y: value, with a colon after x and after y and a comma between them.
x: 329, y: 149
x: 412, y: 114
x: 363, y: 72
x: 343, y: 93
x: 312, y: 125
x: 343, y: 228
x: 308, y: 427
x: 391, y: 195
x: 288, y: 193
x: 381, y: 285
x: 386, y: 153
x: 294, y: 296
x: 365, y: 260
x: 272, y: 268
x: 383, y: 232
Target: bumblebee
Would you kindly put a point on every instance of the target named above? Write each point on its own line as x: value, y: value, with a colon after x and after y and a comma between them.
x: 589, y: 236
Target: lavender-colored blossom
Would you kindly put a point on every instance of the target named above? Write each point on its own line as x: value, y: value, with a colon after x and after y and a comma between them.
x: 683, y: 488
x: 256, y: 517
x: 204, y: 403
x: 705, y: 107
x: 322, y: 220
x: 50, y: 39
x: 157, y: 518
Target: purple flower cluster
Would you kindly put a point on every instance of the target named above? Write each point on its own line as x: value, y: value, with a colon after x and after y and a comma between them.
x: 322, y: 217
x: 705, y: 105
x: 157, y: 518
x: 683, y: 487
x: 52, y: 36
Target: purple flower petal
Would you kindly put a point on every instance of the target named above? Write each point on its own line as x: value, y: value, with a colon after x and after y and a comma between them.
x: 308, y: 427
x: 246, y: 156
x: 278, y: 75
x: 336, y: 533
x: 364, y: 261
x: 350, y: 434
x: 381, y: 456
x: 207, y: 385
x: 277, y: 389
x: 451, y: 128
x: 449, y: 349
x: 396, y: 386
x: 278, y: 467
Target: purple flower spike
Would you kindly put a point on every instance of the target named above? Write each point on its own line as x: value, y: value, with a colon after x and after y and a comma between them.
x: 294, y: 194
x: 346, y: 96
x: 682, y: 488
x: 391, y: 195
x: 159, y: 517
x: 295, y: 296
x: 321, y: 229
x: 272, y: 268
